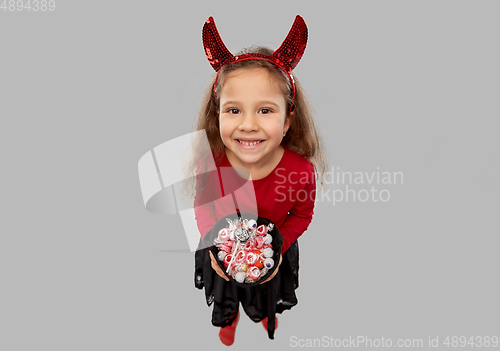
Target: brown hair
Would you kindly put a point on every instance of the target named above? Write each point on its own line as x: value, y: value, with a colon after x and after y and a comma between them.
x: 301, y: 137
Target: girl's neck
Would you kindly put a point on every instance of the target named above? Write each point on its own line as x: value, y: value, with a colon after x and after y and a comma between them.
x: 257, y: 170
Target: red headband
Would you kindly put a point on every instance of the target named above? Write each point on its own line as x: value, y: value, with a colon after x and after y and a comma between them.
x: 286, y: 57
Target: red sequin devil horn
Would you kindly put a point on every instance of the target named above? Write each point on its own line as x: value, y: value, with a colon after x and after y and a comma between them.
x: 291, y: 50
x: 286, y: 57
x: 217, y: 53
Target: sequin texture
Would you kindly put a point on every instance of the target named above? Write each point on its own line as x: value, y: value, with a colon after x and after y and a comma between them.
x: 286, y: 57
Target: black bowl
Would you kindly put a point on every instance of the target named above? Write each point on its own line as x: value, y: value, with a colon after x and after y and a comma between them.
x: 222, y: 223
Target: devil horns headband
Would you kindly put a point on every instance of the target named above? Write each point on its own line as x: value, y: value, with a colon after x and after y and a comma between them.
x: 286, y: 57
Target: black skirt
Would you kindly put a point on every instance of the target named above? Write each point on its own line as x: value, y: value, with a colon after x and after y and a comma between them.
x: 259, y: 301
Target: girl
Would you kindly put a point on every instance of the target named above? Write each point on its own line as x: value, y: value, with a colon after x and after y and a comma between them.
x: 257, y: 120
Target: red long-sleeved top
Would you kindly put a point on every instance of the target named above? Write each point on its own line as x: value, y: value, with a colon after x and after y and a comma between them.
x: 285, y: 196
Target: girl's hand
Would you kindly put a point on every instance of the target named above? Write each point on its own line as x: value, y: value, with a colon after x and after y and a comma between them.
x: 275, y: 271
x: 216, y: 267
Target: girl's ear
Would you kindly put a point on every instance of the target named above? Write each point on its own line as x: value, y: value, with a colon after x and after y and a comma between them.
x: 288, y: 122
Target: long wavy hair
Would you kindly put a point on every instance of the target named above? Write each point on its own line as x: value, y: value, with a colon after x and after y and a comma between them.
x: 301, y: 137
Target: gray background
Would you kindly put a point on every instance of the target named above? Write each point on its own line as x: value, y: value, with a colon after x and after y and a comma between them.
x: 86, y: 90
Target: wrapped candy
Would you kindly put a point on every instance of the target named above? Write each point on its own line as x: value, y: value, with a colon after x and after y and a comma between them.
x: 254, y: 273
x: 241, y: 234
x: 221, y: 255
x: 252, y: 224
x: 268, y: 252
x: 240, y: 277
x: 227, y: 260
x: 267, y: 239
x: 225, y: 248
x: 261, y: 230
x: 252, y: 258
x: 246, y: 248
x: 269, y: 263
x: 259, y: 242
x: 240, y: 256
x: 242, y: 267
x: 249, y: 245
x: 260, y: 259
x: 223, y: 234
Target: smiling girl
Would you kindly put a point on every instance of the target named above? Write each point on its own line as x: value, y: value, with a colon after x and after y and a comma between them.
x: 253, y: 120
x: 258, y: 122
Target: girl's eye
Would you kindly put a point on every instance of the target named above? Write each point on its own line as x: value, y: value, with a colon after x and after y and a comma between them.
x: 265, y: 111
x: 233, y: 110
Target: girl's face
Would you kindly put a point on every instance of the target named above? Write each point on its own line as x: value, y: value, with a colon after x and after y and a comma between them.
x: 252, y: 117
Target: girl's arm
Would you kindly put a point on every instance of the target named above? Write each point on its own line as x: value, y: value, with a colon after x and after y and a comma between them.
x: 204, y: 208
x: 300, y: 215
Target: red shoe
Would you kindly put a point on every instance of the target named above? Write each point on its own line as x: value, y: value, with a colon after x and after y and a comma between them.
x: 226, y: 334
x: 264, y: 323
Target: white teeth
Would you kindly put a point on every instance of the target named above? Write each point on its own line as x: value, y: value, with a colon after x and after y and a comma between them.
x: 248, y: 143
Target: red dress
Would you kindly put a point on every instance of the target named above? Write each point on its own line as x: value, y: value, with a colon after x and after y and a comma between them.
x: 285, y: 196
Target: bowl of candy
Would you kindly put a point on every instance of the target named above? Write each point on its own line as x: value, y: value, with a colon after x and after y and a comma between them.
x: 246, y: 247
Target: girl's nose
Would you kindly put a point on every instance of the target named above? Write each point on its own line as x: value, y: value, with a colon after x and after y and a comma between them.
x: 248, y: 122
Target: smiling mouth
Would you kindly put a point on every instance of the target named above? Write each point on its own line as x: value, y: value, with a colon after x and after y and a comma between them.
x: 249, y: 143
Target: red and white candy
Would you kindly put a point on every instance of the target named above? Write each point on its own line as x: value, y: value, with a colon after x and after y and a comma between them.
x: 227, y: 259
x: 225, y: 248
x: 254, y: 272
x: 261, y: 230
x: 246, y: 260
x: 240, y: 256
x: 249, y: 245
x: 259, y: 242
x: 224, y: 234
x: 252, y: 258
